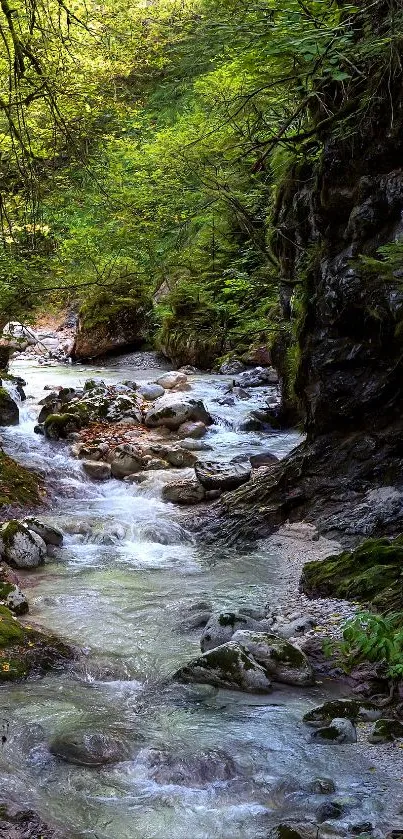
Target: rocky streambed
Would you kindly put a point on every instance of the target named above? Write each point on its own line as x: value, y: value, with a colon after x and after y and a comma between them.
x: 134, y: 739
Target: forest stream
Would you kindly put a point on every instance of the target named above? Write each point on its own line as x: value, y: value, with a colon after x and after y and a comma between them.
x: 233, y: 764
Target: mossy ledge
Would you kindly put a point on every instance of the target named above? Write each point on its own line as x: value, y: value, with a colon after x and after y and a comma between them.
x: 18, y: 486
x: 371, y: 574
x: 27, y: 651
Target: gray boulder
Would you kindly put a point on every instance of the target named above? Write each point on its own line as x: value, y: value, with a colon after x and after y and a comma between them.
x: 232, y: 367
x: 222, y: 476
x: 97, y: 470
x: 172, y: 411
x: 48, y: 532
x: 151, y: 392
x: 257, y: 377
x: 192, y: 430
x: 228, y: 666
x: 173, y: 379
x: 281, y: 660
x: 221, y: 627
x: 175, y: 455
x: 22, y: 547
x: 127, y: 461
x: 339, y: 730
x: 186, y: 492
x: 195, y: 445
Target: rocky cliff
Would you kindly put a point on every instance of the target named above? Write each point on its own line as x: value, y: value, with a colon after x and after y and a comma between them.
x: 332, y: 216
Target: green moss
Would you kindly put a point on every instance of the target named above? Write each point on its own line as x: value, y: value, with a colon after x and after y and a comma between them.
x: 350, y: 709
x: 11, y: 631
x: 17, y: 484
x: 371, y: 574
x: 60, y: 420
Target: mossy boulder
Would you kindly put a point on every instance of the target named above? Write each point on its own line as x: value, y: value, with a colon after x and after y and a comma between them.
x: 281, y: 660
x: 222, y: 626
x: 228, y: 666
x: 59, y: 426
x: 9, y: 411
x: 18, y: 485
x: 351, y: 709
x: 20, y: 546
x: 339, y: 730
x: 25, y: 651
x: 371, y: 574
x: 386, y: 730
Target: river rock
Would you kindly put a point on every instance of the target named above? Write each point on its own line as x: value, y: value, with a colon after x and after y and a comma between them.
x: 257, y: 377
x: 222, y: 476
x: 59, y: 426
x: 171, y: 380
x: 329, y: 810
x: 22, y: 547
x: 189, y: 770
x: 196, y: 620
x: 49, y: 533
x: 127, y: 461
x: 171, y: 411
x: 228, y: 666
x: 9, y: 411
x: 294, y: 830
x: 339, y: 730
x: 352, y: 709
x: 151, y: 392
x: 263, y: 459
x: 185, y: 492
x: 386, y: 730
x: 232, y: 367
x: 281, y: 660
x: 192, y: 430
x: 98, y: 470
x: 195, y: 445
x: 93, y: 748
x: 15, y: 599
x: 299, y: 626
x: 322, y: 786
x: 175, y: 455
x: 221, y: 627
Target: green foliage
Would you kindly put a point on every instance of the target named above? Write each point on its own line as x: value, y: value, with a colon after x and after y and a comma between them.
x: 376, y: 638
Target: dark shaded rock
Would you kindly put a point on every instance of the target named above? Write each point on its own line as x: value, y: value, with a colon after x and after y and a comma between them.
x: 328, y: 811
x: 339, y: 730
x: 221, y: 476
x: 386, y: 730
x: 9, y: 411
x: 186, y: 492
x: 263, y: 459
x: 351, y: 709
x: 59, y: 426
x: 190, y: 770
x: 322, y: 786
x: 94, y: 748
x: 24, y: 824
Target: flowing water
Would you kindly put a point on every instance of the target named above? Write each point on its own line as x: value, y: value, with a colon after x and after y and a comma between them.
x: 129, y: 570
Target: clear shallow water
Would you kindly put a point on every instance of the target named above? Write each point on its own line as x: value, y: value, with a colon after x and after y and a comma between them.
x: 128, y: 571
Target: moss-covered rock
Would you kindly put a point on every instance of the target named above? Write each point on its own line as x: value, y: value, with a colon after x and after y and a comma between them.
x: 59, y: 426
x: 372, y: 573
x: 22, y: 547
x: 18, y: 485
x: 281, y: 660
x: 351, y: 709
x: 386, y: 730
x: 228, y: 666
x: 25, y: 651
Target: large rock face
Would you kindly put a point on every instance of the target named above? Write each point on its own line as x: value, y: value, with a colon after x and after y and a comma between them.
x: 331, y: 212
x: 111, y: 330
